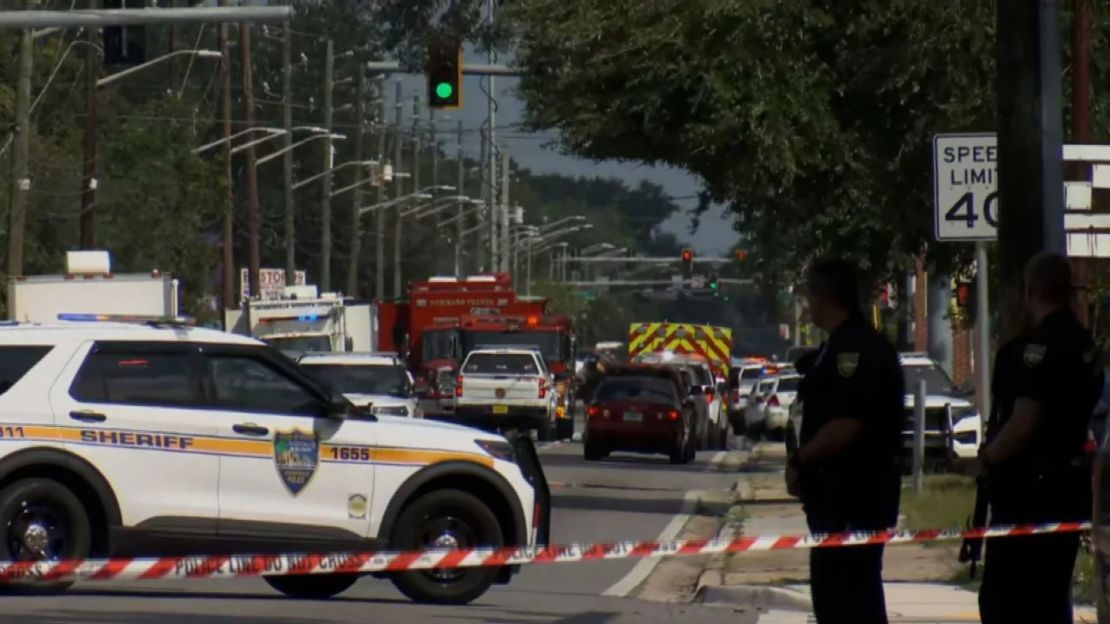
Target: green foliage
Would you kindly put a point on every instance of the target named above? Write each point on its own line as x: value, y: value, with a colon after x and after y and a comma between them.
x: 811, y: 118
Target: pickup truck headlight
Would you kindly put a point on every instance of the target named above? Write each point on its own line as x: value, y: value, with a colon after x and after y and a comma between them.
x: 497, y: 448
x: 957, y: 417
x: 390, y: 410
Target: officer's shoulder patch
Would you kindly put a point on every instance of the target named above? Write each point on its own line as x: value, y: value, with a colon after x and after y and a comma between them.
x: 847, y: 363
x: 1033, y: 355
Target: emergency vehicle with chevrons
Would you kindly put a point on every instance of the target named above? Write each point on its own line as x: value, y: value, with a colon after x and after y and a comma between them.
x: 156, y: 439
x: 706, y: 353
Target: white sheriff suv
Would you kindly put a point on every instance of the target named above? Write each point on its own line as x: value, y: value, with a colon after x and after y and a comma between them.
x: 125, y: 439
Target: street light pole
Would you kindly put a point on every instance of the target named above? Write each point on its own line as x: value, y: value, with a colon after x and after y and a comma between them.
x: 20, y: 180
x: 253, y: 210
x: 356, y: 198
x: 325, y: 198
x: 287, y: 158
x: 88, y: 181
x: 506, y: 234
x: 528, y: 261
x: 227, y: 244
x: 379, y: 219
x: 460, y: 184
x: 398, y: 154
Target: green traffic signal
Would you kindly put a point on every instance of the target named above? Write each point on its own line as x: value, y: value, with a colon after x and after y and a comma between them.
x: 444, y: 90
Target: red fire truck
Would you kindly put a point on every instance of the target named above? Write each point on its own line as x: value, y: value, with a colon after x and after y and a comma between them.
x: 425, y: 329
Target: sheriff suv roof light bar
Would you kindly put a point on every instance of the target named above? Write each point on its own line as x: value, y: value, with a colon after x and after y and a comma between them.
x: 124, y: 318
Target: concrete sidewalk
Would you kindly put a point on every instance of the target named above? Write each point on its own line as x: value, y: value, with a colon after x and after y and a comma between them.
x: 772, y: 587
x: 905, y: 602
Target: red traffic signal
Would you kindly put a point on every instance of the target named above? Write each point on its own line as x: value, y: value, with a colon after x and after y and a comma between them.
x: 687, y: 255
x: 741, y: 255
x: 963, y: 294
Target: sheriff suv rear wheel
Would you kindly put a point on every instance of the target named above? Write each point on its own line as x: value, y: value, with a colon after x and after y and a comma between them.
x: 446, y: 519
x: 42, y: 520
x: 312, y: 586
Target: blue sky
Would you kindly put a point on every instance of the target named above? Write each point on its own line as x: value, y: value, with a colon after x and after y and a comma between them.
x: 714, y: 236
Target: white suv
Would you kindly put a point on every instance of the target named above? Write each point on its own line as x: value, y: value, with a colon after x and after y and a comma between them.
x: 147, y: 440
x: 377, y: 382
x: 506, y: 388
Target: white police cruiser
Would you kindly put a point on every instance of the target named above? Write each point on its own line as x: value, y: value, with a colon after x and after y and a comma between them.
x: 377, y: 382
x: 128, y: 439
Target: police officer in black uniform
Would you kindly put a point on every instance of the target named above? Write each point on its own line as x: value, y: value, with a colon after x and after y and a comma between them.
x: 1047, y: 384
x: 846, y: 470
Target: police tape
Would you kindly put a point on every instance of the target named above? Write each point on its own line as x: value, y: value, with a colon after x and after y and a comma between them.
x: 227, y: 566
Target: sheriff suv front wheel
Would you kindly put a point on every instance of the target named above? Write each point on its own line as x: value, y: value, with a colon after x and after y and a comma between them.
x: 446, y: 519
x: 42, y: 520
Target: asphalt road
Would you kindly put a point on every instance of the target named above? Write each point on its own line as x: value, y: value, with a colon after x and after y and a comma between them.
x: 627, y: 497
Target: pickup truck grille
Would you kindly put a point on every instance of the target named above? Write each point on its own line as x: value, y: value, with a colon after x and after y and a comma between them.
x: 936, y: 420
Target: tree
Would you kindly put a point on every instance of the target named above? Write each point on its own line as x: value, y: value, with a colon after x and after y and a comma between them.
x: 811, y: 118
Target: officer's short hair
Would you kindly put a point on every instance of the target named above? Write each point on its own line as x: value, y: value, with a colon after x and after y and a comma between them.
x: 836, y: 281
x: 1048, y: 278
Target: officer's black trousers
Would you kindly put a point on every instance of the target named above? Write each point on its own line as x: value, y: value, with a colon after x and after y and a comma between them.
x: 1028, y: 579
x: 846, y: 583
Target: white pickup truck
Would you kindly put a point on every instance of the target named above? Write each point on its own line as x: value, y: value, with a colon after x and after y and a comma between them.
x: 505, y: 389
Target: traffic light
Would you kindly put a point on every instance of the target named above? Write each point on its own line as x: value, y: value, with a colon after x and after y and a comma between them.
x: 688, y: 258
x: 963, y: 293
x: 714, y: 282
x: 741, y: 255
x: 444, y: 71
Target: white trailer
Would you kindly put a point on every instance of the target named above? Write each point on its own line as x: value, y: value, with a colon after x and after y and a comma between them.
x: 306, y: 322
x: 89, y: 289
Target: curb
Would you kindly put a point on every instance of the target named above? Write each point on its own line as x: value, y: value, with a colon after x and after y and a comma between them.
x: 759, y: 597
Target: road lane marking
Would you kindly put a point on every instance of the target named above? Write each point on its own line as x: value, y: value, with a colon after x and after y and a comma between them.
x: 644, y: 567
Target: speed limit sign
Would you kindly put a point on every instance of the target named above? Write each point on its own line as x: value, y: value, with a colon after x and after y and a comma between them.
x: 965, y: 187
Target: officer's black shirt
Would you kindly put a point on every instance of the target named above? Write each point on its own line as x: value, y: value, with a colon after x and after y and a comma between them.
x: 855, y: 374
x: 1057, y: 365
x: 1007, y: 365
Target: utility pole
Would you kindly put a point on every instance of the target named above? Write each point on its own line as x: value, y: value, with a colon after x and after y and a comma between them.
x: 528, y: 269
x: 1082, y: 268
x: 416, y: 143
x: 21, y: 181
x: 88, y: 179
x: 254, y: 211
x: 460, y: 184
x: 398, y: 227
x: 490, y: 179
x: 1028, y: 89
x: 379, y: 216
x: 398, y: 155
x: 287, y: 157
x: 325, y: 197
x: 432, y: 142
x: 506, y: 221
x: 227, y: 244
x: 495, y: 212
x: 356, y: 197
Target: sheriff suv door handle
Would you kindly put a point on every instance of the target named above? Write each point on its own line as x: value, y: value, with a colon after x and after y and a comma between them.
x: 250, y: 429
x: 87, y: 416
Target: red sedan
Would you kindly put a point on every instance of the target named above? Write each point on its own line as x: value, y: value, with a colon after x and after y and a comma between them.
x: 642, y: 409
